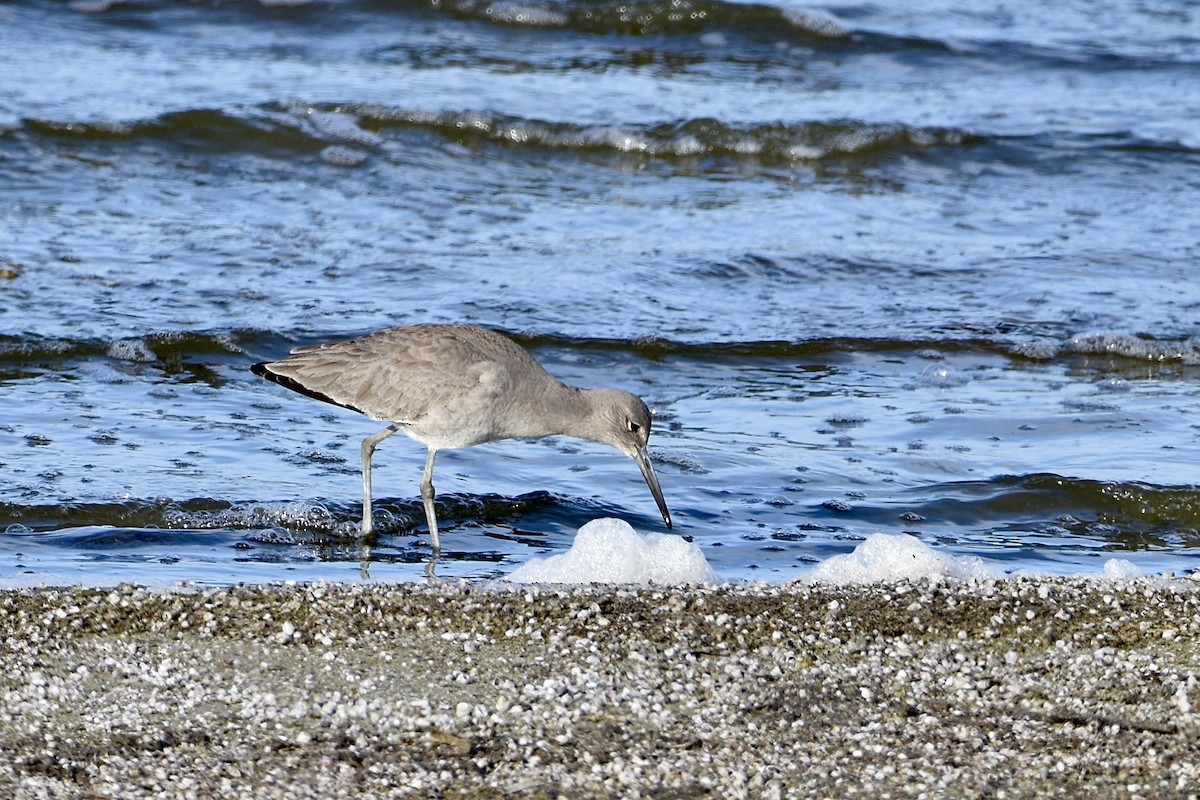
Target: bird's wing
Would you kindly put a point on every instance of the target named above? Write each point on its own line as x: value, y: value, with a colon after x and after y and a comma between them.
x: 401, y: 374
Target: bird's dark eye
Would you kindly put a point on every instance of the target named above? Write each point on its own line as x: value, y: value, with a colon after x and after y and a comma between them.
x: 634, y: 427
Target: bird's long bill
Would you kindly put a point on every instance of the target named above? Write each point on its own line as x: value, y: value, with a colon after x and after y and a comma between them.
x: 643, y: 461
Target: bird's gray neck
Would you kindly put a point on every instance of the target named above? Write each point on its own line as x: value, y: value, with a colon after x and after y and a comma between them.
x: 558, y: 409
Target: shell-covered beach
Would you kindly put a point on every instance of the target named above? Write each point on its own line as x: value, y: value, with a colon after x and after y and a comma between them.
x: 1011, y: 688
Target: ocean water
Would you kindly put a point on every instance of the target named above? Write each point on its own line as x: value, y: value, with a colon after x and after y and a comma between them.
x: 878, y: 268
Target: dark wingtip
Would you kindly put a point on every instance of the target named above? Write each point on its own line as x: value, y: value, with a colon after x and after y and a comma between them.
x: 263, y: 370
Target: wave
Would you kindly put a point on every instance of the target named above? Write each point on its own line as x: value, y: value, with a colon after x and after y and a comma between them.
x: 650, y: 17
x: 687, y: 139
x: 208, y: 130
x: 1079, y: 505
x: 189, y: 355
x: 23, y: 356
x: 632, y: 18
x: 161, y: 346
x: 288, y: 130
x: 1042, y: 509
x: 757, y: 30
x: 1116, y: 344
x: 266, y: 521
x: 679, y: 32
x: 164, y: 346
x: 1037, y: 510
x: 349, y: 135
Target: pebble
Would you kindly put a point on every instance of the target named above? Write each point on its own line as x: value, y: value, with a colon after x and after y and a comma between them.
x: 1001, y: 688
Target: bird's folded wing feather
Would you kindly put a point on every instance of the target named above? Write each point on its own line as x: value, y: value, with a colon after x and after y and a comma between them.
x: 396, y: 374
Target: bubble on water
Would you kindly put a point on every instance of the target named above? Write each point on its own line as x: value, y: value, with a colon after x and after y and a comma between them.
x: 272, y: 536
x: 260, y: 516
x: 942, y: 376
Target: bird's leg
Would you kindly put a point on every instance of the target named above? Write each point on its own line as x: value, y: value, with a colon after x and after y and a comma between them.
x: 368, y: 447
x: 427, y: 499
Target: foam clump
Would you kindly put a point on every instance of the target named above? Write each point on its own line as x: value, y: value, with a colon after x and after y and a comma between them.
x: 816, y: 23
x: 611, y: 551
x: 131, y: 350
x: 894, y: 557
x: 1133, y: 346
x: 1121, y: 569
x: 526, y: 14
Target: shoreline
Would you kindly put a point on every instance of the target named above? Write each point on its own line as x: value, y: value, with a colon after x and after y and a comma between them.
x: 1012, y: 688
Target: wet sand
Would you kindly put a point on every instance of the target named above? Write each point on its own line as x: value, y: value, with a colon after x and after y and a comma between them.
x: 1021, y: 688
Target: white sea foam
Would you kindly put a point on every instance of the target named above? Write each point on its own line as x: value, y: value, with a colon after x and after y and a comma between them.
x: 526, y: 14
x: 131, y: 350
x: 816, y: 22
x: 1122, y: 570
x: 893, y: 557
x: 610, y: 551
